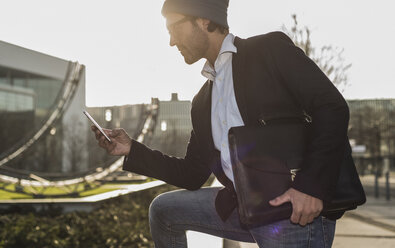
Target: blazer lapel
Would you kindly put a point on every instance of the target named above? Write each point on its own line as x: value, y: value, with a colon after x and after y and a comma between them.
x: 201, y: 116
x: 238, y: 60
x: 201, y: 109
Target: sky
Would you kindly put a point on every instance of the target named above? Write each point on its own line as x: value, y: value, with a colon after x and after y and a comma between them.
x: 124, y: 44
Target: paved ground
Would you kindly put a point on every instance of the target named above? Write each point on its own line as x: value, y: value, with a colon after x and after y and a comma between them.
x: 371, y: 225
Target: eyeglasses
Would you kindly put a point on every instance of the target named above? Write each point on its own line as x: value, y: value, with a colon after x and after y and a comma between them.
x: 172, y: 26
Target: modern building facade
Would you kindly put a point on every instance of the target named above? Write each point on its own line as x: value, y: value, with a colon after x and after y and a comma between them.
x: 174, y: 126
x: 32, y: 87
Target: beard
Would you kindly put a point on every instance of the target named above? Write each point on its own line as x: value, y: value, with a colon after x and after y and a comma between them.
x: 197, y: 46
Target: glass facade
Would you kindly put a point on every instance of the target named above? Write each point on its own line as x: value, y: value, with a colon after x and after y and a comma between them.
x: 16, y: 99
x: 25, y: 101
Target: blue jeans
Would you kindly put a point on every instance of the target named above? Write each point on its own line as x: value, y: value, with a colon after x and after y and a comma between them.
x: 173, y: 213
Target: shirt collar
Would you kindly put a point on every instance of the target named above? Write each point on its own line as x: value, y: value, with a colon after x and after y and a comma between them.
x: 227, y: 47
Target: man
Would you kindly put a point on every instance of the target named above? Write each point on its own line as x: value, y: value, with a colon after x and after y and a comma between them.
x: 247, y: 78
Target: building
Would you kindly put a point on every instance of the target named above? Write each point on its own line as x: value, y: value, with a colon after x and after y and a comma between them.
x: 129, y: 117
x: 32, y: 95
x: 174, y: 126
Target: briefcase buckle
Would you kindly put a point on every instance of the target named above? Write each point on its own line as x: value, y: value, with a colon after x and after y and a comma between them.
x: 293, y: 173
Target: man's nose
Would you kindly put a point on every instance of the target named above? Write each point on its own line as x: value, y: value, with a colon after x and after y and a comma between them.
x: 172, y: 41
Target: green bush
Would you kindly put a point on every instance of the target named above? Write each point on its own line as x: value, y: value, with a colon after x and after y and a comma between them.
x: 121, y: 222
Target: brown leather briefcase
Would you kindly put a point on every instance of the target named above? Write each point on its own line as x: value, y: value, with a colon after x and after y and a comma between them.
x: 265, y: 161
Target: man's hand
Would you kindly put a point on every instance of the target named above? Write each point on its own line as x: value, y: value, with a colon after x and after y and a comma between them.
x: 305, y: 207
x: 120, y: 141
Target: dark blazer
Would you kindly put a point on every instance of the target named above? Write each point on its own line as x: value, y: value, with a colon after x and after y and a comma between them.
x: 270, y: 75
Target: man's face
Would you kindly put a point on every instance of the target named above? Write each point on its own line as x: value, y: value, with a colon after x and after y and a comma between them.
x: 188, y: 36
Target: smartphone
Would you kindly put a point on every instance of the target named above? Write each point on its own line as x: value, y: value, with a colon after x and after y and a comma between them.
x: 97, y: 125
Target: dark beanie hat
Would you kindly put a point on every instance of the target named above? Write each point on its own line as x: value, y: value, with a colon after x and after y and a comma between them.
x: 213, y: 10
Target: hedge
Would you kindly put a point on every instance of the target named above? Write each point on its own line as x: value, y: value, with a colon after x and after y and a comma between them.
x: 122, y: 222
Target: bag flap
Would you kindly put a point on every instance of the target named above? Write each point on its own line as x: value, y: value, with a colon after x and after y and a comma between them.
x: 274, y: 148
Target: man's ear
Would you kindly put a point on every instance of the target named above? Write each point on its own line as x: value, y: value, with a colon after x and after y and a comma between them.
x: 203, y: 23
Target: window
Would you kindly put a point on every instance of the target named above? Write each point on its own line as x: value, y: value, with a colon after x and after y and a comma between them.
x: 108, y: 115
x: 163, y: 126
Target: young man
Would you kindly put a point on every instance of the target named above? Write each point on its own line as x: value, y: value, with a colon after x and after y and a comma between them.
x: 246, y: 78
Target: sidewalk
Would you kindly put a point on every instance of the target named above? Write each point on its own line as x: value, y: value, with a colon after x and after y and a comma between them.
x: 371, y: 225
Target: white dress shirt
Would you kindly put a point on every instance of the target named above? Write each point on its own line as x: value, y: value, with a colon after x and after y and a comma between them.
x: 224, y: 110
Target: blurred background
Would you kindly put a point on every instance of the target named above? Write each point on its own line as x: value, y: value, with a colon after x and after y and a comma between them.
x: 128, y: 76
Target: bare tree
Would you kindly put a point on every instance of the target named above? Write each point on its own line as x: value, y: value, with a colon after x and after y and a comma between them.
x: 330, y: 59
